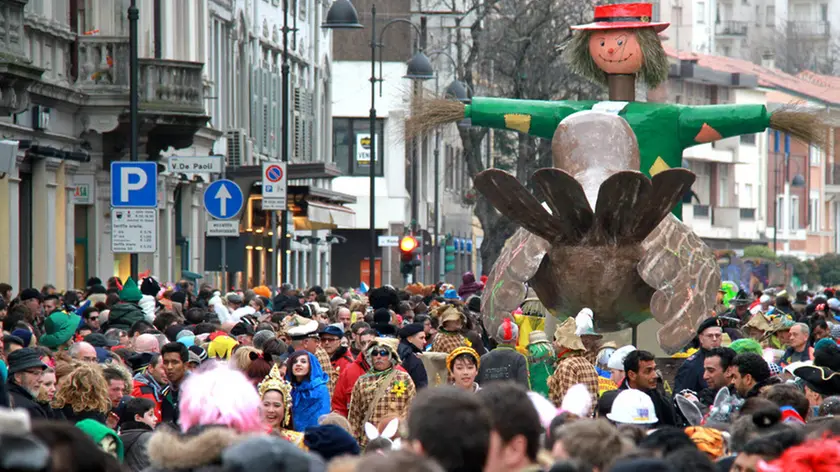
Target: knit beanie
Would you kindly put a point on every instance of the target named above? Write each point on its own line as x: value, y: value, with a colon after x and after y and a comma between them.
x: 130, y: 292
x: 330, y: 441
x: 98, y: 431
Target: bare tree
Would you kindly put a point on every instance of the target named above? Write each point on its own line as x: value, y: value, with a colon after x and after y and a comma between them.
x: 515, y: 43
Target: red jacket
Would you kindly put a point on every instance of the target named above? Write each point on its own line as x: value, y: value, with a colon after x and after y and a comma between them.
x: 346, y: 381
x: 340, y: 364
x: 144, y: 390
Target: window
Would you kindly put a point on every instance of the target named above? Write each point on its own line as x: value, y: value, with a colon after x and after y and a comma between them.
x: 814, y: 155
x: 676, y: 15
x: 824, y: 12
x: 702, y: 183
x: 723, y: 185
x: 701, y: 12
x: 758, y: 15
x: 351, y: 146
x: 794, y: 212
x: 748, y: 139
x: 771, y: 16
x: 780, y: 205
x: 814, y: 213
x: 747, y: 197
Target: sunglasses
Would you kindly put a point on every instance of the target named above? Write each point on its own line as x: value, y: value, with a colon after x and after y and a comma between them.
x: 381, y: 353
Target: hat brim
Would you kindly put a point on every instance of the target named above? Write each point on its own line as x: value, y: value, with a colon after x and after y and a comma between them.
x: 616, y: 419
x: 820, y: 379
x: 618, y: 25
x: 53, y: 340
x: 35, y: 362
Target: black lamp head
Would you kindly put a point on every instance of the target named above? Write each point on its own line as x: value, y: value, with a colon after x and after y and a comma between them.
x: 457, y: 90
x: 342, y: 15
x: 419, y: 68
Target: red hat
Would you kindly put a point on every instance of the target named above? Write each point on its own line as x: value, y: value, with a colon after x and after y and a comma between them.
x: 623, y: 16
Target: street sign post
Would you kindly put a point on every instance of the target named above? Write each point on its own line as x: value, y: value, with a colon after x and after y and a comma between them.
x: 389, y: 241
x: 196, y: 164
x: 223, y: 228
x: 134, y: 230
x: 134, y: 211
x: 274, y: 185
x: 223, y: 199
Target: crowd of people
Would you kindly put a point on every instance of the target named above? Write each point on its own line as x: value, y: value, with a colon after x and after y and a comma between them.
x: 144, y: 376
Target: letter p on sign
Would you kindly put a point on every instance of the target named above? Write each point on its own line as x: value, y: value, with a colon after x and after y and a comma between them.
x: 126, y: 184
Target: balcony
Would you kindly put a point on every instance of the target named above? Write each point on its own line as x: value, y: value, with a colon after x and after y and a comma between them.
x: 725, y: 223
x: 731, y: 28
x: 809, y: 29
x: 171, y: 93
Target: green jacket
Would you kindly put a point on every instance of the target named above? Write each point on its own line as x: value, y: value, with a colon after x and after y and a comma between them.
x: 663, y: 130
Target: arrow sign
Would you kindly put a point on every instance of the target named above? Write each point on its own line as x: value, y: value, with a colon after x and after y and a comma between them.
x: 223, y: 199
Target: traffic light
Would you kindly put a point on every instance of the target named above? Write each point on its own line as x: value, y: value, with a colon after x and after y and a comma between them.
x: 409, y: 254
x: 449, y: 255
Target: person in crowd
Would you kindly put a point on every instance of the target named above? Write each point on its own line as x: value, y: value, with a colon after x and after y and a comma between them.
x: 572, y: 368
x: 504, y: 362
x: 412, y: 342
x: 347, y: 379
x: 137, y: 422
x: 462, y: 364
x: 449, y: 335
x: 83, y: 352
x: 750, y: 374
x: 25, y: 371
x: 71, y: 450
x: 149, y: 379
x: 219, y: 409
x: 640, y: 368
x: 276, y: 395
x: 515, y: 428
x: 690, y: 373
x: 343, y: 316
x: 305, y: 337
x: 385, y: 389
x: 541, y: 361
x: 596, y: 443
x: 127, y: 312
x: 357, y: 329
x: 717, y: 373
x: 46, y: 393
x: 798, y: 349
x: 83, y: 394
x: 310, y: 396
x: 174, y: 357
x: 450, y: 426
x: 331, y: 337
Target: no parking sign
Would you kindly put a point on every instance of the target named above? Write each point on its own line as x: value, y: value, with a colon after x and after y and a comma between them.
x: 274, y: 184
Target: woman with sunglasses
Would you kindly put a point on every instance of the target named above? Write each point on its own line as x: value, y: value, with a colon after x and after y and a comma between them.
x: 310, y: 395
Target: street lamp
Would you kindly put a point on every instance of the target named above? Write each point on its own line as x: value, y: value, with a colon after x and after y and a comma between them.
x: 342, y: 15
x: 798, y: 181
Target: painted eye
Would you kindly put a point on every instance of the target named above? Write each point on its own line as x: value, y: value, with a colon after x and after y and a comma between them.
x: 620, y: 42
x: 602, y: 43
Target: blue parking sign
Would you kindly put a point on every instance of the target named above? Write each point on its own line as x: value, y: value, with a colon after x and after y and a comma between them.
x: 134, y: 184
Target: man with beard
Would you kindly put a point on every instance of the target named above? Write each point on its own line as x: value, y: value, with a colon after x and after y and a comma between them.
x: 25, y: 371
x: 717, y: 373
x: 750, y: 373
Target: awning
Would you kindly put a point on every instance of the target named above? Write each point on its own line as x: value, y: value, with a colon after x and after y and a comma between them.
x: 320, y: 215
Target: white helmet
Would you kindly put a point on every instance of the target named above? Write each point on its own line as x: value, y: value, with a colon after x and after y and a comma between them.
x: 633, y: 407
x: 616, y: 361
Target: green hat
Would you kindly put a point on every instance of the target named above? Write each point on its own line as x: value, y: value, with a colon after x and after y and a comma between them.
x: 746, y: 345
x: 59, y: 328
x: 130, y: 292
x: 98, y: 431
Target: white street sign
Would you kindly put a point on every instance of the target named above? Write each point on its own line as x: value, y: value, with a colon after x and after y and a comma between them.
x: 274, y: 184
x: 196, y: 165
x: 389, y: 241
x: 134, y: 230
x: 223, y: 228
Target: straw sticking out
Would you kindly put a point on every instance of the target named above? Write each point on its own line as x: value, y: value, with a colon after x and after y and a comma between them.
x: 428, y: 113
x: 804, y: 125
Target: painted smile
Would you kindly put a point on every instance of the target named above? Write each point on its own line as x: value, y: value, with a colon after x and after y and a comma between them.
x: 616, y: 60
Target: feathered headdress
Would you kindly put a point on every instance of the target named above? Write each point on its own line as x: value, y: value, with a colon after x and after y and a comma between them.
x: 274, y: 381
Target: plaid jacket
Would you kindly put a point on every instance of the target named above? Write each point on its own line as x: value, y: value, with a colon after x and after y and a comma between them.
x: 447, y: 342
x: 394, y: 403
x: 570, y: 371
x: 326, y: 364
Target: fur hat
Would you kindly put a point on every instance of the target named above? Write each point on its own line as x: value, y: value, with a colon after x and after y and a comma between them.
x: 448, y: 312
x: 389, y: 344
x: 565, y: 335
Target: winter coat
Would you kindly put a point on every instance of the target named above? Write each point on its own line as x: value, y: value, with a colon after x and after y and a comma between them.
x: 310, y: 398
x: 270, y: 453
x: 135, y: 437
x: 146, y: 387
x: 21, y: 399
x: 690, y: 374
x: 198, y: 450
x: 346, y: 381
x: 412, y: 364
x: 75, y: 417
x: 503, y: 363
x: 123, y: 316
x: 340, y: 360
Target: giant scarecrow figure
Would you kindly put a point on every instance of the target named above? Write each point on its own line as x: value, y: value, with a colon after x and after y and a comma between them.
x: 606, y: 242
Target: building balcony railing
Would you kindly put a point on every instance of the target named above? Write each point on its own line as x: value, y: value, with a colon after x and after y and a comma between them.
x: 165, y: 85
x: 731, y: 28
x: 722, y: 222
x: 809, y: 29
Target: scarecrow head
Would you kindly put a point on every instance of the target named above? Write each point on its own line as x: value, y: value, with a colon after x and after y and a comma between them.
x: 621, y: 40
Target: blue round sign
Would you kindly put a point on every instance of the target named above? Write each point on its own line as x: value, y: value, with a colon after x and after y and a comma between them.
x: 223, y: 199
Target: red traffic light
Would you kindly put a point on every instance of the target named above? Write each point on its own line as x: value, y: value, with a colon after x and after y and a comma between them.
x: 408, y: 244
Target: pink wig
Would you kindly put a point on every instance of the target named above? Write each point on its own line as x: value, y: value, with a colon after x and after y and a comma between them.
x: 220, y: 396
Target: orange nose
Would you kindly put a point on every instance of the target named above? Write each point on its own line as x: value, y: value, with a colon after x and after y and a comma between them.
x: 610, y: 50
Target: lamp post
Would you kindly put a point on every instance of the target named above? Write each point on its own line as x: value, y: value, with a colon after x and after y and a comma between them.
x: 342, y: 15
x: 798, y: 181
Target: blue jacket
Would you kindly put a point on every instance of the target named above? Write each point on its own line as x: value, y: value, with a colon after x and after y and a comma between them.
x: 690, y: 374
x: 310, y: 398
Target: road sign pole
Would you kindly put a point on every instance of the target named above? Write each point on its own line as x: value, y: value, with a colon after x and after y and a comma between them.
x: 224, y: 247
x: 133, y: 79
